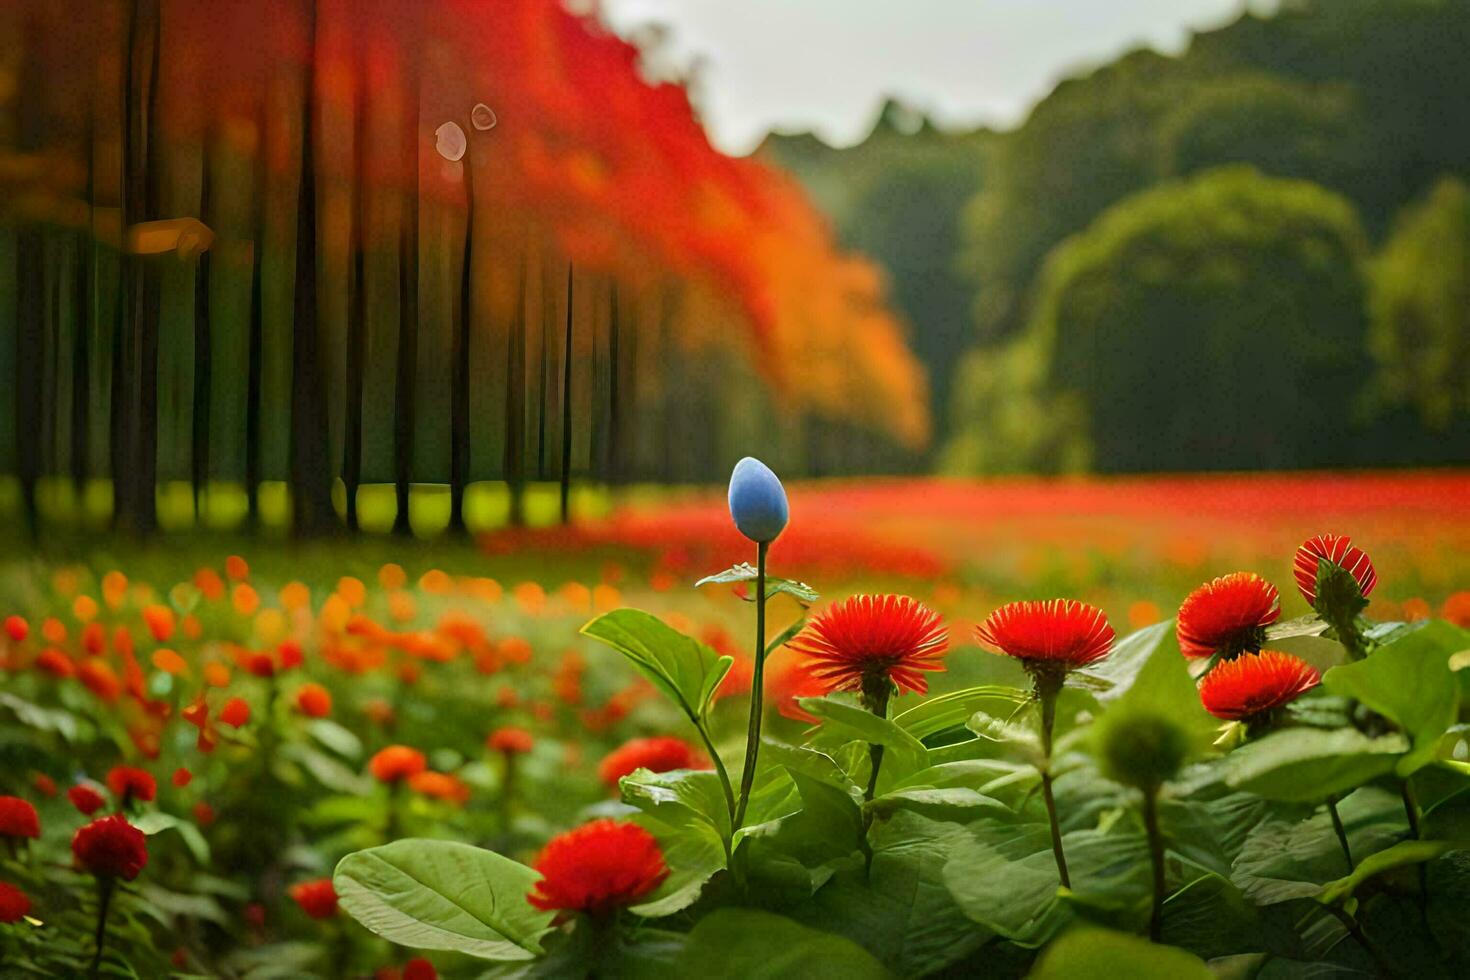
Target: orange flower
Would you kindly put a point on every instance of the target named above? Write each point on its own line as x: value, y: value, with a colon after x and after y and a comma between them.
x: 237, y: 568
x: 440, y: 786
x: 1255, y: 683
x: 55, y: 663
x: 99, y: 677
x: 510, y: 741
x: 169, y: 661
x: 1337, y: 548
x: 16, y: 628
x: 1456, y: 609
x: 869, y: 641
x: 1061, y: 633
x: 235, y: 713
x: 396, y: 763
x: 600, y: 866
x: 314, y: 701
x: 94, y: 639
x: 1227, y: 614
x: 160, y: 622
x: 662, y: 753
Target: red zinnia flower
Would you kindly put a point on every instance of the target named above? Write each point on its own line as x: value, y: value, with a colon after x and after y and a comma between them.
x: 396, y: 763
x: 86, y: 799
x: 440, y: 786
x: 235, y: 713
x: 1336, y: 548
x: 13, y: 903
x: 317, y: 899
x: 128, y: 784
x: 1228, y: 614
x: 18, y: 818
x: 1254, y: 683
x: 1056, y: 632
x: 599, y: 866
x: 868, y: 638
x: 511, y: 741
x: 17, y: 628
x: 182, y: 777
x: 110, y: 848
x: 419, y: 969
x: 662, y: 753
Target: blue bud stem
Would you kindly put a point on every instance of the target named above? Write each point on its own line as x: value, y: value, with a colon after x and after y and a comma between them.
x: 757, y: 685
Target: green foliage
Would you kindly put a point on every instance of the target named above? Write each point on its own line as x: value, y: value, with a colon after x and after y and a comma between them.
x: 1420, y: 301
x: 746, y: 572
x: 444, y: 895
x: 678, y: 665
x: 1309, y: 765
x: 1097, y: 954
x: 725, y: 945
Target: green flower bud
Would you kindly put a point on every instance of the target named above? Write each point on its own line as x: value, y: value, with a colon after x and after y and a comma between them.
x: 1143, y: 750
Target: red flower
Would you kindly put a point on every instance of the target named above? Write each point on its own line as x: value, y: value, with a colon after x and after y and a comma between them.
x: 1336, y: 548
x: 86, y: 799
x: 182, y: 777
x: 600, y: 866
x: 1056, y: 632
x: 314, y: 701
x: 662, y: 753
x: 110, y: 848
x: 440, y: 786
x: 18, y: 818
x: 13, y: 903
x: 419, y: 969
x: 17, y: 628
x: 1255, y: 683
x: 317, y: 899
x: 203, y: 814
x: 509, y: 740
x: 396, y: 763
x: 45, y: 785
x: 128, y: 784
x: 1227, y: 614
x: 235, y: 713
x: 160, y: 622
x: 868, y: 639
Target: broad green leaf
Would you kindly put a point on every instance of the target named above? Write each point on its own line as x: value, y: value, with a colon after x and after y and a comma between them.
x: 156, y: 821
x: 680, y: 666
x: 818, y: 765
x: 1308, y: 764
x: 753, y: 945
x: 692, y: 857
x: 1400, y: 855
x: 680, y: 797
x: 746, y: 572
x: 952, y: 710
x: 1101, y: 954
x: 845, y: 722
x: 1113, y: 676
x: 828, y: 826
x: 1210, y: 917
x: 335, y: 737
x: 1308, y: 625
x: 950, y: 803
x: 1024, y: 738
x: 1410, y: 682
x: 433, y: 894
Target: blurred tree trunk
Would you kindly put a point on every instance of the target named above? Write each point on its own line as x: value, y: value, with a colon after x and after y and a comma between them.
x: 356, y: 306
x: 459, y: 379
x: 565, y: 471
x: 515, y: 404
x: 199, y: 445
x: 408, y: 330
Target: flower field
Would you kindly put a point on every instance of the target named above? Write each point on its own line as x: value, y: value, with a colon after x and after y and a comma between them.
x: 999, y: 729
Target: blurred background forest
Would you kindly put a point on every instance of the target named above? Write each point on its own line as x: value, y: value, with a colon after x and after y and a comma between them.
x: 1254, y: 254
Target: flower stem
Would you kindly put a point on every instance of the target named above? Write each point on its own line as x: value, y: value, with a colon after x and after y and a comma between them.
x: 507, y: 792
x: 1342, y: 838
x: 875, y: 699
x: 757, y: 686
x: 1156, y: 857
x: 104, y: 902
x: 1047, y: 689
x: 724, y: 774
x: 1355, y: 929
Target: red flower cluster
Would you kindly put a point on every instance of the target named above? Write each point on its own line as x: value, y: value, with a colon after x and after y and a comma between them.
x: 397, y: 763
x: 317, y: 899
x: 1061, y: 633
x: 662, y: 753
x: 869, y: 638
x: 1227, y: 614
x: 510, y: 741
x: 18, y: 818
x: 14, y: 904
x: 1255, y: 683
x: 110, y: 848
x: 600, y: 866
x: 1337, y: 548
x: 128, y: 784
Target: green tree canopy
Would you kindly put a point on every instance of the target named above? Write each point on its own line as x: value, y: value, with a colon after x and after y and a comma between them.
x: 1420, y: 302
x: 1209, y: 323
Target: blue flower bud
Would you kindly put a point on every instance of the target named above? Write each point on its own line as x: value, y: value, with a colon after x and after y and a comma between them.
x: 757, y: 501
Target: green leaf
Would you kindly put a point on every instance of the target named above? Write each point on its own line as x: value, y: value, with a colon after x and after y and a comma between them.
x: 156, y: 821
x: 746, y: 572
x: 1113, y: 676
x: 1402, y: 854
x: 952, y: 710
x: 680, y: 666
x: 785, y: 636
x: 829, y: 825
x: 752, y: 945
x: 1410, y: 682
x: 1210, y: 917
x: 1308, y: 764
x: 1308, y: 625
x: 692, y: 856
x: 842, y: 722
x: 1100, y: 954
x: 818, y: 765
x: 680, y: 798
x: 433, y: 894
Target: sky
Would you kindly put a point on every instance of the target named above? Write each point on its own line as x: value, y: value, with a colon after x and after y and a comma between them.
x: 826, y: 65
